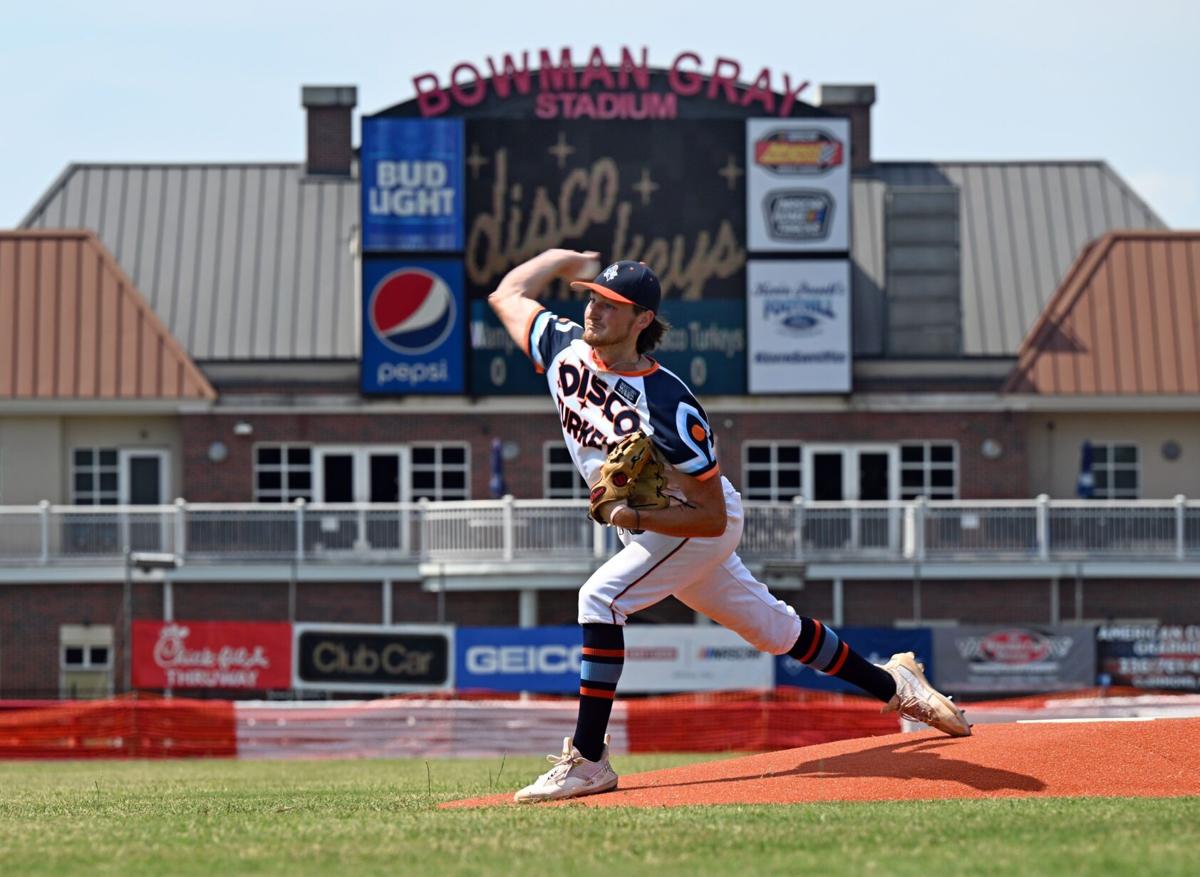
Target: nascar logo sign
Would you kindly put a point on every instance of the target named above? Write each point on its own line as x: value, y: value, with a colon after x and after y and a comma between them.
x: 413, y: 334
x: 798, y: 185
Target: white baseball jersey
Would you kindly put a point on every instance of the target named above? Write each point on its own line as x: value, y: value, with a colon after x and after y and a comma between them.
x: 599, y: 407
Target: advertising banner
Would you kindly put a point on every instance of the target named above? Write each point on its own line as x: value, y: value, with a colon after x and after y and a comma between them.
x: 357, y: 657
x: 412, y: 185
x: 414, y: 326
x: 539, y: 659
x: 1007, y: 660
x: 683, y: 657
x: 254, y: 656
x: 798, y: 322
x: 1150, y: 655
x: 798, y: 185
x: 706, y: 347
x: 876, y: 644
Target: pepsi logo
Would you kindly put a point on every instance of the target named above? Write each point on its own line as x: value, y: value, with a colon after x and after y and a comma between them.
x: 412, y: 310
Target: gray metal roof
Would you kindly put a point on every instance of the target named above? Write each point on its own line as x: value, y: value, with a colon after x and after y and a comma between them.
x: 248, y: 261
x: 1023, y: 224
x: 240, y: 261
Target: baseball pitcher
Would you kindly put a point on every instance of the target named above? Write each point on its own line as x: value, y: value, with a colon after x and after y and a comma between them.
x: 643, y: 443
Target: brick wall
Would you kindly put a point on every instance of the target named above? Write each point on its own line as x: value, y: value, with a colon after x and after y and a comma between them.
x: 232, y: 479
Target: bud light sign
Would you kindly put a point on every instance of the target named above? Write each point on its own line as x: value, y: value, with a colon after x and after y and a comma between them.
x: 413, y: 326
x: 412, y: 185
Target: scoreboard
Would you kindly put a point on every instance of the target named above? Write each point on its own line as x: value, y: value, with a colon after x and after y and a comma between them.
x: 713, y: 204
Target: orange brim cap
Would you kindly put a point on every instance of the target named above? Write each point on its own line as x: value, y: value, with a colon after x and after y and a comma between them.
x: 601, y: 290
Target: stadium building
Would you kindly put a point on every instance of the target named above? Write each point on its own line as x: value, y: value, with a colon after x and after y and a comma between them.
x: 914, y: 368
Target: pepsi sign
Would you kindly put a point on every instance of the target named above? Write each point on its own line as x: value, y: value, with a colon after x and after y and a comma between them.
x: 413, y: 326
x: 412, y: 185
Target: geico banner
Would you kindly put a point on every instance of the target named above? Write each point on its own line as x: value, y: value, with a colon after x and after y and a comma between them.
x: 358, y: 657
x: 798, y: 185
x: 541, y: 659
x: 670, y: 657
x: 412, y: 185
x: 1150, y: 655
x: 798, y: 324
x: 254, y: 656
x: 876, y: 644
x: 998, y: 660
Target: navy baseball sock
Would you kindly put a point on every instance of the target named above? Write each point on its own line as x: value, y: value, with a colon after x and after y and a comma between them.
x: 821, y: 649
x: 603, y: 658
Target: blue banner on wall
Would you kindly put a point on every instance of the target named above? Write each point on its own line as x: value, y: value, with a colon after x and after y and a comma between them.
x: 706, y: 347
x: 876, y: 644
x: 540, y: 659
x: 412, y: 185
x: 413, y: 333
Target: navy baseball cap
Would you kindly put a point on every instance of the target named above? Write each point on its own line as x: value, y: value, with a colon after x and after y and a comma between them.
x: 628, y: 282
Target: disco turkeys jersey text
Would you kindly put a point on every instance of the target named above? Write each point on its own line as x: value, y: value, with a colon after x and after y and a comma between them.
x: 598, y: 407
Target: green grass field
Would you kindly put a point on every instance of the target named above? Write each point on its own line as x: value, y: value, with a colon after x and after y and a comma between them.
x: 379, y: 817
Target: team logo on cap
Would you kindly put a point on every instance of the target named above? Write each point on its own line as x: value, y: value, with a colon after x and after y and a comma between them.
x: 412, y: 310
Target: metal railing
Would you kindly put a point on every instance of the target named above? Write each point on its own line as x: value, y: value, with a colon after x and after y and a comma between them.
x: 514, y: 529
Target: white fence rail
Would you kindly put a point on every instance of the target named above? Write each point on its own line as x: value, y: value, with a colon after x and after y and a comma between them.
x: 509, y: 529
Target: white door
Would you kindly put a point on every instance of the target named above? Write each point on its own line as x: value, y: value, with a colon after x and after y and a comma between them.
x: 852, y: 474
x: 143, y: 480
x: 360, y: 475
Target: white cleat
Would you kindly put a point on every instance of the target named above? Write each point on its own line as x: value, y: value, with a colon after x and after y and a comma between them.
x: 919, y: 701
x: 572, y: 776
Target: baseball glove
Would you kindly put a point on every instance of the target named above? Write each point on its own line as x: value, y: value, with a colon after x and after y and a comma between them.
x: 632, y: 473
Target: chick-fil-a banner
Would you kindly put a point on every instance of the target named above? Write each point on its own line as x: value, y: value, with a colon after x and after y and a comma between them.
x: 212, y: 654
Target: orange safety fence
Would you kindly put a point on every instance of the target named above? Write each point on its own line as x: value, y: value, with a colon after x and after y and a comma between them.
x: 751, y: 721
x: 120, y: 728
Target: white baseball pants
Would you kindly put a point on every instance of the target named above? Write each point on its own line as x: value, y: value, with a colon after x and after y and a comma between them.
x: 705, y: 574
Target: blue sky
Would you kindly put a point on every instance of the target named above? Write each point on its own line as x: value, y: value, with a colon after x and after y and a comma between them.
x: 142, y: 81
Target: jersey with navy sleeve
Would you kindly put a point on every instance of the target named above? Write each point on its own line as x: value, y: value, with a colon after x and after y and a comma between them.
x: 599, y: 407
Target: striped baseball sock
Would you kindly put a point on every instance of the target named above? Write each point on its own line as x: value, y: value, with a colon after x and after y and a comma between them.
x: 603, y: 658
x: 821, y: 649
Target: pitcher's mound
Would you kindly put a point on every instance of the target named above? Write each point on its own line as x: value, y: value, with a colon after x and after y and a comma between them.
x: 1138, y: 757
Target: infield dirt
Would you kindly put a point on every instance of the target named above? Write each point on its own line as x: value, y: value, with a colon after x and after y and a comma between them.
x: 1124, y: 758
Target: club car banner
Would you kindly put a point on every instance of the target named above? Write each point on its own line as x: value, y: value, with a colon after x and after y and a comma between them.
x: 876, y: 644
x: 798, y: 322
x: 255, y: 656
x: 798, y: 185
x: 412, y: 185
x: 999, y: 660
x: 1150, y: 656
x: 369, y: 658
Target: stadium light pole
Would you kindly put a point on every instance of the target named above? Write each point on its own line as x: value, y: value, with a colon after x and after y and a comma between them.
x: 143, y: 561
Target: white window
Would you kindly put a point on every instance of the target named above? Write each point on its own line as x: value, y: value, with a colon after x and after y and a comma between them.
x: 441, y: 471
x: 772, y: 470
x: 95, y: 476
x: 85, y: 660
x: 929, y: 469
x: 282, y: 473
x: 1116, y: 468
x: 560, y: 478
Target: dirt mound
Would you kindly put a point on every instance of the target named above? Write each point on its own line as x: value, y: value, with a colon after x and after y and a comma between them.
x: 1144, y: 758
